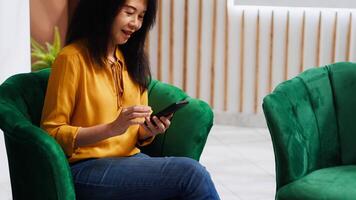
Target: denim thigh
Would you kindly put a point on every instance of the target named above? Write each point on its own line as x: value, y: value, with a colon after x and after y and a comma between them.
x: 142, y: 177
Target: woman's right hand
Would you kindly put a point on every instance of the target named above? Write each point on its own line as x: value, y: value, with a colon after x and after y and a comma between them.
x: 129, y: 116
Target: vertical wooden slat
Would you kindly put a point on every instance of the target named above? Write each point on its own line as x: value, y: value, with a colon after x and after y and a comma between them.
x: 213, y: 50
x: 270, y: 67
x: 147, y: 46
x: 286, y: 47
x: 333, y: 55
x: 257, y: 74
x: 348, y: 42
x: 171, y: 43
x: 317, y: 62
x: 185, y: 53
x: 226, y: 56
x: 159, y: 40
x: 199, y: 40
x: 302, y: 44
x: 242, y: 61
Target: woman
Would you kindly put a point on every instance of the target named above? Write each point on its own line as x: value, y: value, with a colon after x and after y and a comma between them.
x: 96, y: 106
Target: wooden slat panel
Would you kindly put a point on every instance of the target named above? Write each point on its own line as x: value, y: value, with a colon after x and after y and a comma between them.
x: 317, y: 62
x: 333, y: 53
x: 286, y: 47
x: 185, y: 53
x: 159, y: 47
x: 171, y: 43
x: 287, y: 63
x: 147, y: 45
x: 242, y: 61
x: 348, y: 42
x: 213, y: 50
x: 302, y: 44
x: 257, y: 73
x: 199, y: 44
x: 270, y: 67
x: 226, y: 56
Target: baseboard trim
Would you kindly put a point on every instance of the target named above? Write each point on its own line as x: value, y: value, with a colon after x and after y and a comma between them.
x: 239, y: 119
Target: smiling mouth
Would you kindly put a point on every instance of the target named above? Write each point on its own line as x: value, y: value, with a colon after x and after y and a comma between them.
x: 127, y: 33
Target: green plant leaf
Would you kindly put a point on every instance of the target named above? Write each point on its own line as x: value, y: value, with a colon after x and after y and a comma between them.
x: 36, y: 46
x: 40, y: 62
x: 39, y: 55
x: 56, y: 40
x: 39, y: 65
x: 49, y: 47
x: 47, y: 53
x: 47, y: 58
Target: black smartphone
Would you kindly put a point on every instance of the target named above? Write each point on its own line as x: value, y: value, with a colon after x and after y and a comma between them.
x: 170, y: 109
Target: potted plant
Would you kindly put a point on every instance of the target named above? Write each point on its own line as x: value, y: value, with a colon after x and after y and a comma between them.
x: 44, y: 55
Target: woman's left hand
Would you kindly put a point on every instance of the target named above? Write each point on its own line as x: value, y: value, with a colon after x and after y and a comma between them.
x: 159, y: 125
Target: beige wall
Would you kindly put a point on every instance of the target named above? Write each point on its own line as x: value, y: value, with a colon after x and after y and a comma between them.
x: 44, y: 15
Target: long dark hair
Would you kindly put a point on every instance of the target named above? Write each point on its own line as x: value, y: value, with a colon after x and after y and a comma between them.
x: 92, y: 21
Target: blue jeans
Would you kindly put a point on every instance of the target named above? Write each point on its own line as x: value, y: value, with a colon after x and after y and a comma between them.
x: 142, y: 177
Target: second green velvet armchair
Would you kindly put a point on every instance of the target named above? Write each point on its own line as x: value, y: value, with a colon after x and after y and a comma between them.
x: 312, y: 122
x: 38, y: 166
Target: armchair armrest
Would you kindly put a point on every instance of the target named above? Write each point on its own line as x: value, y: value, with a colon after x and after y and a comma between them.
x: 190, y: 125
x: 38, y: 166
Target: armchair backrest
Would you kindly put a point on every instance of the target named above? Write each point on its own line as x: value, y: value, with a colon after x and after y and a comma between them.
x: 310, y: 119
x: 31, y: 87
x: 343, y: 79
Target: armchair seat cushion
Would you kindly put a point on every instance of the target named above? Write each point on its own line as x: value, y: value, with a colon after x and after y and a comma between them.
x: 331, y: 183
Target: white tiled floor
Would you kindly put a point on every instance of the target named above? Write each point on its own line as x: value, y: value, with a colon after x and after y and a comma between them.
x: 241, y: 162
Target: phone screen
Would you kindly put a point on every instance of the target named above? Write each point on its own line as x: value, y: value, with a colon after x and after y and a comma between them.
x: 171, y: 109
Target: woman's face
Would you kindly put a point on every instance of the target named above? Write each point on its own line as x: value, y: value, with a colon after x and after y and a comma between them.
x: 128, y: 20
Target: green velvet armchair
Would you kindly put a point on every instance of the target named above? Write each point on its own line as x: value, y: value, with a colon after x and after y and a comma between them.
x: 38, y: 166
x: 312, y: 122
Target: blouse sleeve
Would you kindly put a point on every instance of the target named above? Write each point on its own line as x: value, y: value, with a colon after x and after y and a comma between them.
x: 144, y: 102
x: 60, y: 101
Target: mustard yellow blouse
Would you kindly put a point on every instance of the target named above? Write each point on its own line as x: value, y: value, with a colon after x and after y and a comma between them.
x: 81, y: 94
